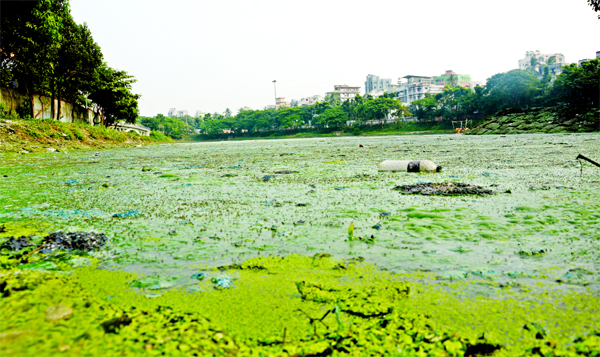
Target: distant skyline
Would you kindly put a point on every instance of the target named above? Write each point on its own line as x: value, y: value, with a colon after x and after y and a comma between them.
x: 209, y: 56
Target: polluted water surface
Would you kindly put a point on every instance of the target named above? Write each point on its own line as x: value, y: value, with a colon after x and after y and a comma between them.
x: 172, y: 206
x: 171, y: 211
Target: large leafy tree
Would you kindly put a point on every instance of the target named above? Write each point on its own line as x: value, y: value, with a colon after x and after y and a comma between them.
x: 78, y: 60
x: 333, y: 98
x: 577, y: 87
x: 333, y: 117
x: 289, y: 117
x: 112, y: 96
x: 173, y: 127
x: 350, y: 107
x: 31, y: 33
x: 426, y: 108
x: 516, y: 89
x: 379, y: 108
x: 47, y: 53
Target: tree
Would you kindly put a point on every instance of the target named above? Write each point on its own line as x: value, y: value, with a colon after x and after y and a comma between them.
x: 112, y: 96
x: 333, y: 99
x: 31, y: 33
x: 332, y: 117
x: 595, y: 4
x: 426, y: 107
x: 379, y: 108
x: 47, y: 53
x: 453, y: 81
x: 212, y: 125
x: 516, y: 89
x: 577, y: 87
x: 308, y: 113
x: 350, y: 106
x: 534, y: 62
x: 78, y: 59
x: 289, y: 117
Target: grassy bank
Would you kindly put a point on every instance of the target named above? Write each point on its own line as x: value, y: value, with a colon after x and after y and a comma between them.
x: 418, y: 127
x: 40, y: 135
x: 539, y: 120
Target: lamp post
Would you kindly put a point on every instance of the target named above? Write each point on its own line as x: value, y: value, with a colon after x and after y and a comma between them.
x: 275, y: 87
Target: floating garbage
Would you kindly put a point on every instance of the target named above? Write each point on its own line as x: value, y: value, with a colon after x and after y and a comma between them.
x: 199, y: 276
x: 60, y: 241
x: 222, y: 282
x: 130, y: 213
x: 17, y: 243
x: 286, y: 172
x: 532, y: 252
x: 409, y: 166
x: 444, y: 189
x: 73, y: 241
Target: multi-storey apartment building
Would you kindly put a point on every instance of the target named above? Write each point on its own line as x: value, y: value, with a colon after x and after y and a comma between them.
x: 306, y: 101
x: 375, y: 84
x: 540, y: 58
x: 452, y: 78
x: 415, y: 88
x: 280, y: 102
x: 345, y: 91
x: 536, y: 61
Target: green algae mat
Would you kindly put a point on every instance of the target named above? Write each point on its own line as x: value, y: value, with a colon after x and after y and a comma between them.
x: 301, y: 248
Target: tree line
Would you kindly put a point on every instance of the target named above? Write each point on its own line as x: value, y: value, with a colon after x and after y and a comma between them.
x: 44, y: 51
x: 574, y: 91
x: 331, y: 113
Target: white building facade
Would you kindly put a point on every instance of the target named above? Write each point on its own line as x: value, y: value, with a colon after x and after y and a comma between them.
x: 536, y: 61
x: 306, y: 101
x: 374, y: 84
x: 345, y: 91
x: 415, y: 87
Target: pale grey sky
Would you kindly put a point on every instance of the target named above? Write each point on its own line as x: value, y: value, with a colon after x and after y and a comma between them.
x: 212, y: 55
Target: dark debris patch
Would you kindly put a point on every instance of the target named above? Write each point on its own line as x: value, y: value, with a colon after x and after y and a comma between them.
x: 15, y: 244
x: 444, y: 189
x: 73, y: 241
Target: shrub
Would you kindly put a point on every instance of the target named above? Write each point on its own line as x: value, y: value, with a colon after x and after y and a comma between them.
x: 158, y: 136
x: 78, y: 134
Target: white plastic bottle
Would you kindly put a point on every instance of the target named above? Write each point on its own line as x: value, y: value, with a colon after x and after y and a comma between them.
x: 409, y: 166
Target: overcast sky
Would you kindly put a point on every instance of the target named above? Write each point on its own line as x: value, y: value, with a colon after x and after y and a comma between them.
x: 212, y: 55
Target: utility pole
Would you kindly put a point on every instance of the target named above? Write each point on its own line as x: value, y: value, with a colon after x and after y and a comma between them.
x: 275, y: 87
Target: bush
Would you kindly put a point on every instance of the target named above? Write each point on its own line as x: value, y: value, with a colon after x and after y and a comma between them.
x: 356, y: 131
x: 158, y: 136
x: 78, y: 134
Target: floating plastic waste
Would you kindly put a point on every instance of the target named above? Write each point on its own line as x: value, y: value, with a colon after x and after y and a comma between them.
x: 409, y: 166
x: 222, y: 282
x: 444, y: 189
x: 199, y: 276
x: 131, y: 213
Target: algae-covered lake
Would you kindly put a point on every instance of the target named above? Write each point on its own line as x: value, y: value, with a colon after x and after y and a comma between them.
x: 172, y: 211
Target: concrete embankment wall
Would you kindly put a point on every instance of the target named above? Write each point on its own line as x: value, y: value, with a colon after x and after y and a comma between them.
x: 12, y: 101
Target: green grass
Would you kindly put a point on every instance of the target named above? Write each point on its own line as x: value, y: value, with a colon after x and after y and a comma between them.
x: 35, y: 134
